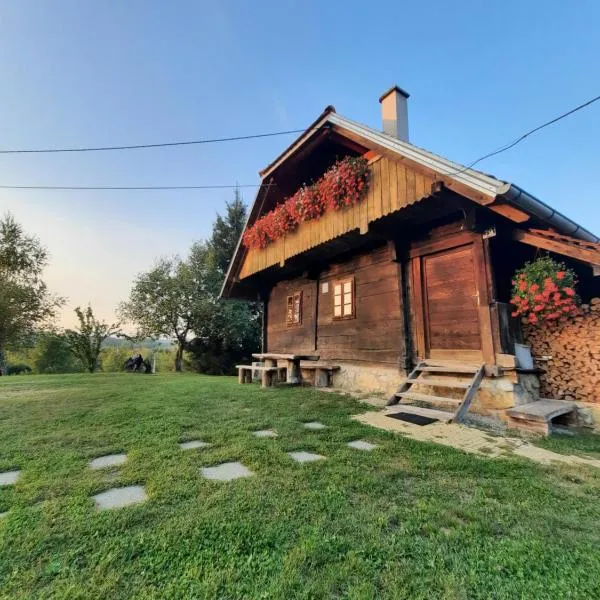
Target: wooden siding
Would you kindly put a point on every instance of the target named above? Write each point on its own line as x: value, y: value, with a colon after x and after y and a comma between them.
x: 294, y: 338
x: 375, y: 334
x: 392, y: 187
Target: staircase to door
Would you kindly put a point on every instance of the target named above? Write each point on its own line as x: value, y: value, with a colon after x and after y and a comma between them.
x: 458, y: 381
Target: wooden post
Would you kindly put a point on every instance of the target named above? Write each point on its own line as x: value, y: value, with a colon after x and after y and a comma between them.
x: 266, y: 379
x: 321, y: 378
x: 293, y: 371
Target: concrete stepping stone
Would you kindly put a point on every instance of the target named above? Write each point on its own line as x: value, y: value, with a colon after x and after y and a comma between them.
x: 314, y: 425
x: 264, y: 433
x: 120, y: 497
x: 362, y: 445
x: 110, y: 460
x: 9, y: 478
x: 226, y: 471
x: 193, y: 444
x: 302, y: 456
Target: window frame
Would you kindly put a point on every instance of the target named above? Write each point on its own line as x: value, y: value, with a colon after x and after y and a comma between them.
x: 292, y: 297
x: 341, y: 283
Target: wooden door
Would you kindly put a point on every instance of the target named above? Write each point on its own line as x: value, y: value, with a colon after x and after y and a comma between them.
x: 451, y: 302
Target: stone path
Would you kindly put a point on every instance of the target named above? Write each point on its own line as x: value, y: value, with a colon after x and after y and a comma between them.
x: 120, y: 497
x: 226, y: 471
x: 361, y: 445
x: 463, y: 438
x: 302, y: 456
x: 193, y: 444
x: 469, y: 439
x: 9, y: 478
x: 264, y: 433
x: 314, y: 425
x: 110, y: 460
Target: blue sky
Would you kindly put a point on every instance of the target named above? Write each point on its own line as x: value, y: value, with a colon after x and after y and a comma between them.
x: 78, y: 73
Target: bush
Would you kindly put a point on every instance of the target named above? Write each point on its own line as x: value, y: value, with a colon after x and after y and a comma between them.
x: 18, y: 369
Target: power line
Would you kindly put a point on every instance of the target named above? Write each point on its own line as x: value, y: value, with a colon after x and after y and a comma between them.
x: 157, y: 145
x: 522, y: 137
x: 214, y: 187
x: 133, y: 187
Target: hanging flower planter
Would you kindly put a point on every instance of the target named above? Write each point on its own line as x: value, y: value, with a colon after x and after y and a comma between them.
x: 342, y: 185
x: 544, y: 291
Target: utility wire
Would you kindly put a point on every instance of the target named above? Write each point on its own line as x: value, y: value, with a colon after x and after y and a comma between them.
x: 213, y: 187
x: 157, y: 145
x: 522, y: 137
x: 133, y: 187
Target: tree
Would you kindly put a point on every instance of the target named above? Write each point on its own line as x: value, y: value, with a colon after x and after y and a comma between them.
x: 227, y: 332
x: 52, y: 354
x: 161, y: 303
x: 179, y: 298
x: 86, y: 342
x: 227, y: 231
x: 25, y: 301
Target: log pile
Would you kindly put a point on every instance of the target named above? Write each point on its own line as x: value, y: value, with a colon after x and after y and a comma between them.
x: 570, y: 354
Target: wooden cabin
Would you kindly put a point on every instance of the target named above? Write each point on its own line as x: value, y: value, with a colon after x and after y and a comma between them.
x: 418, y: 270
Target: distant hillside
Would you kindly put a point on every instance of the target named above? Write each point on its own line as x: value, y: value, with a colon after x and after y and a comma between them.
x: 115, y: 342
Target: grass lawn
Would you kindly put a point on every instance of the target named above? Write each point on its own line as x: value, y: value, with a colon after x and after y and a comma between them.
x: 407, y: 520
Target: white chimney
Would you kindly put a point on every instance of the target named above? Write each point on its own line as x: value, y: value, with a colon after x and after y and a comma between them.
x: 394, y: 113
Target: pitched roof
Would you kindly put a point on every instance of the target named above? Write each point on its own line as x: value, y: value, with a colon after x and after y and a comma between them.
x: 487, y: 187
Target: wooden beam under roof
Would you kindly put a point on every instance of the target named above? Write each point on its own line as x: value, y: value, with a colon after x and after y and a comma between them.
x: 570, y: 247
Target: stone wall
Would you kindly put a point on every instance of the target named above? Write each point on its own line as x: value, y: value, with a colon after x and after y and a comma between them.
x: 570, y: 354
x: 494, y: 396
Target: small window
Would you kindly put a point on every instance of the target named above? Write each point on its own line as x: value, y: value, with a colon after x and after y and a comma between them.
x: 293, y: 313
x: 343, y: 299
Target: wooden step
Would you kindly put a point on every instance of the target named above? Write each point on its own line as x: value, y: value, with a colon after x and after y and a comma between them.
x: 454, y: 403
x: 448, y: 369
x: 441, y: 382
x: 542, y: 410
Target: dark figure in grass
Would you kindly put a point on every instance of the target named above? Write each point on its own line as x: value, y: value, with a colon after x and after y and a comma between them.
x: 137, y: 364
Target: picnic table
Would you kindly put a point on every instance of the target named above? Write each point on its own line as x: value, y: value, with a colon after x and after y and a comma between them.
x: 293, y: 363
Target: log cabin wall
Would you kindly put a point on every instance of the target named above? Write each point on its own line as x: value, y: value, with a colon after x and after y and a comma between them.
x: 375, y: 333
x: 392, y: 187
x: 285, y: 338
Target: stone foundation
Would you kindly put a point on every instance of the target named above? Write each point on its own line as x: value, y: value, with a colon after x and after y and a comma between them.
x: 368, y: 378
x: 495, y: 395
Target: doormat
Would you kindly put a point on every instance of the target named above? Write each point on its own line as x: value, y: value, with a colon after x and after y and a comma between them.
x: 412, y: 418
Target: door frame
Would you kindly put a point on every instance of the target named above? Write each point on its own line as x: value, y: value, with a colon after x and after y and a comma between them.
x: 481, y: 267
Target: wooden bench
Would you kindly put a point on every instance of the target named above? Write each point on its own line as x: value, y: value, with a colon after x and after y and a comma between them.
x: 293, y: 363
x: 270, y: 375
x: 323, y: 372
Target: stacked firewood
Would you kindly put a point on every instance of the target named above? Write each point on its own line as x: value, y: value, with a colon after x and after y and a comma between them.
x: 569, y: 353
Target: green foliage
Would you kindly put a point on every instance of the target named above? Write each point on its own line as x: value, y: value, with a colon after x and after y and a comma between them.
x: 410, y: 520
x: 52, y: 354
x: 86, y: 342
x: 18, y: 369
x: 227, y: 332
x: 161, y: 302
x: 179, y: 298
x: 226, y: 232
x: 112, y: 359
x: 25, y: 301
